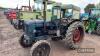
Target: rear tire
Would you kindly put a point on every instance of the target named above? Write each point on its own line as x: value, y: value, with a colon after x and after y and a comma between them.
x: 74, y: 35
x: 40, y: 48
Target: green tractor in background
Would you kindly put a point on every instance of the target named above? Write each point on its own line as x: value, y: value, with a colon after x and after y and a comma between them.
x: 92, y: 21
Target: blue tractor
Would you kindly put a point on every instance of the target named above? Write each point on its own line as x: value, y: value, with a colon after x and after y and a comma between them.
x: 61, y: 27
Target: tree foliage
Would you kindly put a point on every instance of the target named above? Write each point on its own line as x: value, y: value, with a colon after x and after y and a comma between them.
x: 88, y: 7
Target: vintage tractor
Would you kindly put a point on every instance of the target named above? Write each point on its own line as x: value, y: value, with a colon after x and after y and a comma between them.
x: 92, y: 23
x: 24, y: 14
x: 62, y: 26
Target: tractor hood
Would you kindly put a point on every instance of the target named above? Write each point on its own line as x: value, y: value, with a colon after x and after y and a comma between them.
x: 36, y: 22
x: 31, y: 26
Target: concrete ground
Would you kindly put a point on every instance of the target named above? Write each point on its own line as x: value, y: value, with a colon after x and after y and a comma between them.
x: 9, y: 45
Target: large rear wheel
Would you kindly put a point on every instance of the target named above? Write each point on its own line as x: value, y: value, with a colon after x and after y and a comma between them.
x: 74, y: 35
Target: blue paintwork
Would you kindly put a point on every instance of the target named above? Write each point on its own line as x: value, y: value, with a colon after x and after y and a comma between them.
x: 38, y: 26
x: 84, y: 15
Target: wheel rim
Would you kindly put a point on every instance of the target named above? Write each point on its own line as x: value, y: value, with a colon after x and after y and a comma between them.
x: 41, y: 51
x: 76, y: 36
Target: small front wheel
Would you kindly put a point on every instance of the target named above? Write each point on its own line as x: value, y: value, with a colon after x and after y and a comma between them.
x: 40, y: 48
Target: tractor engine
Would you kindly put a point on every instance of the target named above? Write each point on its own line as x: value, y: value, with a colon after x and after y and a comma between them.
x: 33, y: 28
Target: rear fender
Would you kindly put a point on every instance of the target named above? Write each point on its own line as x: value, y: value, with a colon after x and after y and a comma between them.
x: 72, y: 22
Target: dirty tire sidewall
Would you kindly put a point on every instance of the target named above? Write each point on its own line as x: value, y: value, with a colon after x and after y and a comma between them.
x: 40, y: 46
x: 69, y: 35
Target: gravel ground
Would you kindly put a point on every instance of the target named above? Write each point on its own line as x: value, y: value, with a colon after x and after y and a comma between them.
x: 9, y: 45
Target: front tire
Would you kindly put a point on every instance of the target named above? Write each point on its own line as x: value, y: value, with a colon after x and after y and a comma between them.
x: 40, y: 48
x: 74, y: 35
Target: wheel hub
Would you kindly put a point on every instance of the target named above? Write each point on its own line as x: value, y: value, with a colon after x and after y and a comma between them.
x: 40, y: 51
x: 76, y: 36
